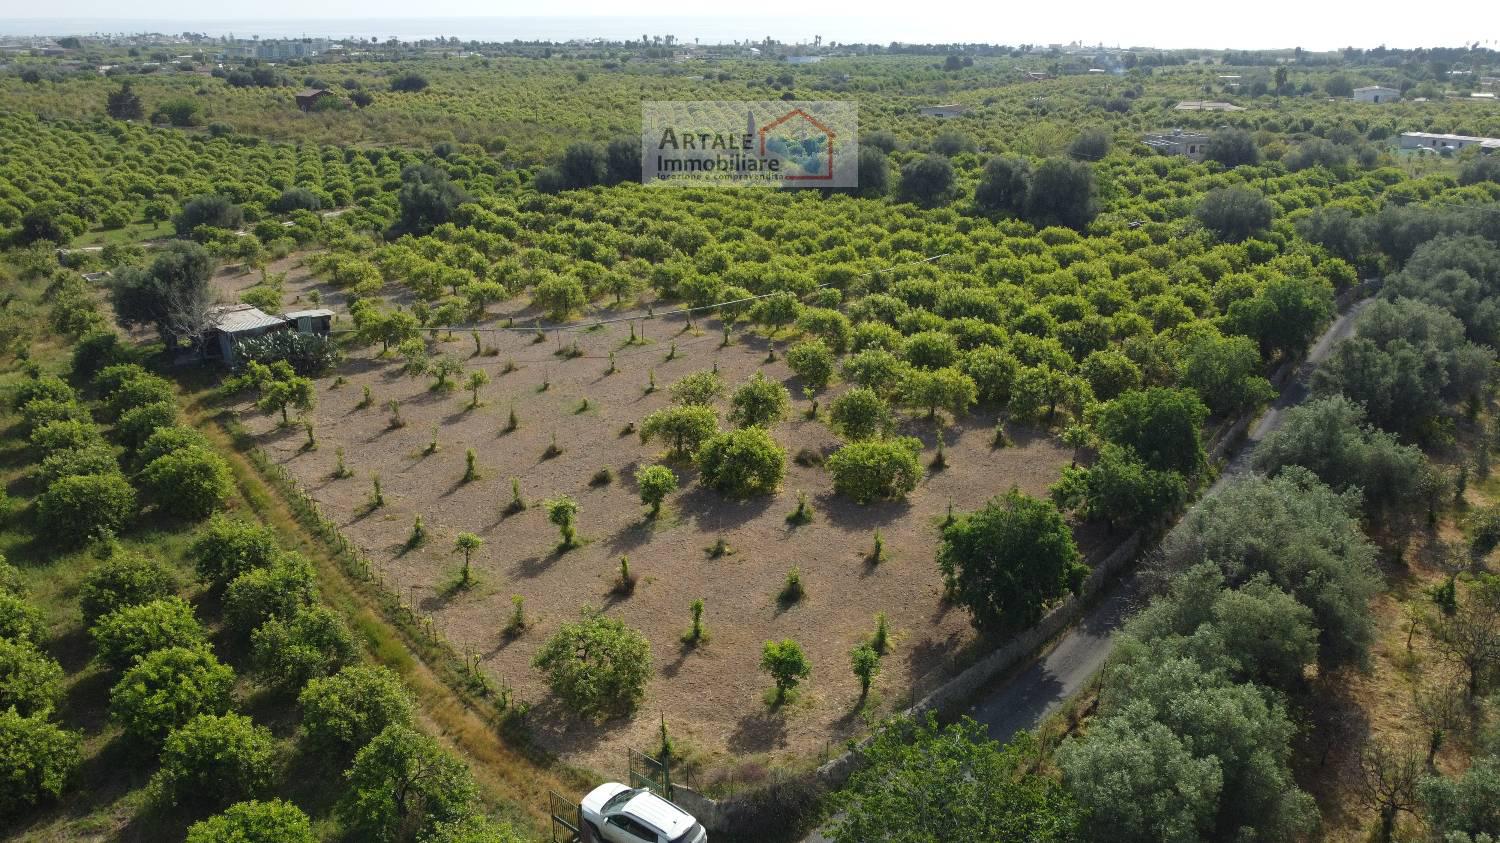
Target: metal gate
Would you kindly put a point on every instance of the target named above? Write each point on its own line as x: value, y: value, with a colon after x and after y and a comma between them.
x: 567, y: 818
x: 645, y: 771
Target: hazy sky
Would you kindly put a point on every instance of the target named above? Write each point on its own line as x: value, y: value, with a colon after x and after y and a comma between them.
x: 1167, y: 23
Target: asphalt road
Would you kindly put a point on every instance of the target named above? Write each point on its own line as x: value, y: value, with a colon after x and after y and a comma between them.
x: 1023, y: 698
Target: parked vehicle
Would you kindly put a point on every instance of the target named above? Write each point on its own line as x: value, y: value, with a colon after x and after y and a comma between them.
x: 616, y: 813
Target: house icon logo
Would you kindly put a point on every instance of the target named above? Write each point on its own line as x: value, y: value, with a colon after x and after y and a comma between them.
x: 804, y: 143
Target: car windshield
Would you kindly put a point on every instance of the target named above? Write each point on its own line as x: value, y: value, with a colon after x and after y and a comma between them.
x: 618, y: 800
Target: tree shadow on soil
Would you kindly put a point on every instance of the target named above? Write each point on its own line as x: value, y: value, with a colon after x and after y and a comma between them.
x: 758, y: 732
x: 710, y: 510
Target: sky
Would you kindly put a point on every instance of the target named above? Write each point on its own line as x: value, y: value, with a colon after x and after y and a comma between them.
x: 1310, y: 24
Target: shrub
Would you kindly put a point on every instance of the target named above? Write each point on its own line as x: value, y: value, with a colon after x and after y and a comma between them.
x: 215, y: 759
x: 279, y: 590
x: 742, y: 463
x: 36, y: 760
x: 70, y: 434
x: 273, y: 821
x: 597, y: 666
x: 137, y: 425
x: 812, y: 361
x: 96, y: 350
x: 166, y: 440
x: 130, y: 632
x: 168, y: 688
x: 95, y: 458
x: 947, y: 389
x: 881, y: 469
x: 1163, y: 426
x: 314, y: 643
x: 39, y: 412
x: 76, y: 509
x: 208, y: 210
x: 191, y: 482
x: 860, y: 413
x: 559, y: 295
x: 343, y: 712
x: 1235, y: 213
x: 655, y: 482
x: 698, y: 389
x: 759, y: 403
x: 1006, y: 561
x: 401, y: 782
x: 30, y: 680
x: 124, y: 579
x: 992, y: 370
x: 20, y: 619
x: 309, y: 355
x: 931, y: 349
x: 685, y: 429
x: 48, y: 386
x: 230, y: 547
x: 877, y: 369
x: 137, y: 390
x: 787, y: 664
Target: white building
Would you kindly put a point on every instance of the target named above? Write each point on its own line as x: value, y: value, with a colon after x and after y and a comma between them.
x: 1192, y: 145
x: 1447, y: 143
x: 1376, y: 94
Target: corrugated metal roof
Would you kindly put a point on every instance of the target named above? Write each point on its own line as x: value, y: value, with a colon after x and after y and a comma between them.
x: 243, y: 317
x: 298, y: 314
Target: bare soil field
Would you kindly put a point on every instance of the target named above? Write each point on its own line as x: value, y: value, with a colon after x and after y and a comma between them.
x: 711, y: 695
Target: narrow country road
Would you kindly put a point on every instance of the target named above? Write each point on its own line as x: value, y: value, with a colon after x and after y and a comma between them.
x: 1023, y: 698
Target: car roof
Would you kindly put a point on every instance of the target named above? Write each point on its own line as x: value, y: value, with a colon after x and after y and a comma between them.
x: 658, y: 813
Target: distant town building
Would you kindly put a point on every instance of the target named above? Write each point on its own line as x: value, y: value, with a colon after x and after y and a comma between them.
x: 944, y: 112
x: 1447, y: 143
x: 1376, y: 94
x: 1205, y: 105
x: 803, y: 59
x: 1193, y: 145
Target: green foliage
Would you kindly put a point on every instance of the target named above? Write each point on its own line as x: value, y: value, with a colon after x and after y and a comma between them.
x: 191, y: 482
x: 1161, y: 425
x: 699, y: 389
x: 1301, y: 534
x: 138, y: 391
x: 207, y: 210
x: 30, y: 680
x: 427, y: 199
x: 742, y: 463
x: 403, y: 784
x: 1003, y: 185
x: 1235, y: 214
x: 812, y: 361
x: 1463, y: 808
x: 1061, y: 192
x: 1285, y: 314
x: 229, y: 547
x: 272, y: 821
x: 124, y: 579
x: 1006, y: 561
x: 560, y: 296
x: 1224, y: 371
x: 280, y: 389
x: 314, y: 643
x: 860, y: 414
x: 343, y: 712
x: 36, y: 760
x: 215, y: 759
x: 596, y: 666
x: 1120, y: 489
x: 655, y: 483
x: 279, y: 590
x: 129, y: 633
x: 166, y: 689
x: 76, y: 509
x: 309, y: 355
x: 882, y: 469
x: 760, y: 402
x: 988, y: 791
x: 946, y: 389
x: 94, y: 458
x: 787, y: 665
x: 137, y: 425
x: 20, y: 619
x: 1330, y: 438
x: 926, y: 181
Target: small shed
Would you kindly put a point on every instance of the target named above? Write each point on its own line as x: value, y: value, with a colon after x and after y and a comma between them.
x: 1376, y: 94
x: 236, y: 322
x: 944, y: 112
x: 1192, y: 145
x: 317, y: 321
x: 308, y: 99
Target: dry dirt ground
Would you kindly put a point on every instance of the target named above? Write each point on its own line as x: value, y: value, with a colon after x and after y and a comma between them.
x: 711, y: 696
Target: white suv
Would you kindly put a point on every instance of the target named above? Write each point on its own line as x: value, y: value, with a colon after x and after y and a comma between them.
x: 616, y: 813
